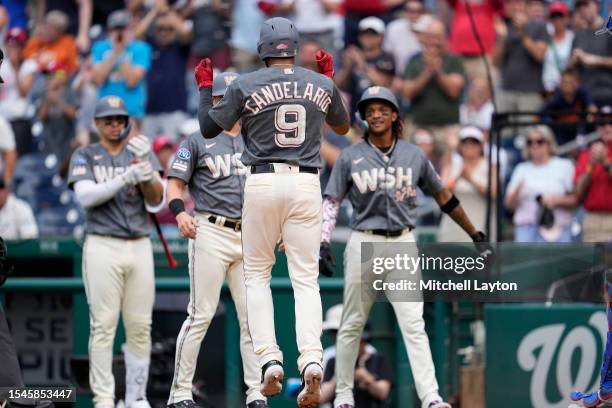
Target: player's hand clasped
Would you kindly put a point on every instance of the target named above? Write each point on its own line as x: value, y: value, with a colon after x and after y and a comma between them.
x: 204, y: 73
x: 326, y: 260
x: 325, y: 63
x: 140, y: 146
x: 141, y: 172
x: 187, y: 225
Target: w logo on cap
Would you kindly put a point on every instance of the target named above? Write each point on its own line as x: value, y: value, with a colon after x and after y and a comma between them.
x: 282, y: 46
x: 374, y: 90
x: 229, y: 79
x: 114, y: 102
x: 607, y: 28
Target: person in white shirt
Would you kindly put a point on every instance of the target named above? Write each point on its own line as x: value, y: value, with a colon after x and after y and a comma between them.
x: 16, y: 218
x: 400, y: 40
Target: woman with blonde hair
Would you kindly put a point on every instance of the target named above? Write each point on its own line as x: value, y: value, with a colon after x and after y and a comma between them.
x: 540, y: 191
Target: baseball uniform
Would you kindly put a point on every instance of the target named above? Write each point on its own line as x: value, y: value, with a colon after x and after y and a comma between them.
x: 282, y: 111
x: 118, y: 272
x: 215, y: 177
x: 382, y: 188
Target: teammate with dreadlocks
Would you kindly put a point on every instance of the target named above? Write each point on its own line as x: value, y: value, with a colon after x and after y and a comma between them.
x: 380, y: 175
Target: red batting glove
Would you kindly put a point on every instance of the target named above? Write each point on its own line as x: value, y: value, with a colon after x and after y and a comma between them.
x: 325, y: 63
x: 204, y: 73
x: 268, y: 7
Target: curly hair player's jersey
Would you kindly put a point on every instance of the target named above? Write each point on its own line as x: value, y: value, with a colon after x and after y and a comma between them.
x: 382, y: 189
x: 282, y: 111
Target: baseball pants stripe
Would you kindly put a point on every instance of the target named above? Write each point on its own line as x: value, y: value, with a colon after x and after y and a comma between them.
x: 287, y: 204
x: 119, y: 278
x: 356, y: 309
x: 215, y: 255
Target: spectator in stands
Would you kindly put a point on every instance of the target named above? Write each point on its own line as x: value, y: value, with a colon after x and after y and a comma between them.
x: 57, y: 112
x: 14, y: 105
x: 584, y: 14
x: 366, y: 65
x: 548, y: 177
x: 462, y: 39
x: 318, y: 20
x: 592, y: 54
x: 373, y: 376
x: 467, y: 178
x: 559, y: 46
x: 594, y: 184
x: 425, y: 140
x: 79, y: 13
x: 164, y: 149
x: 166, y: 87
x: 566, y: 105
x: 519, y: 53
x: 51, y: 43
x: 400, y: 40
x: 357, y: 10
x: 536, y: 10
x: 477, y: 108
x: 433, y: 83
x: 8, y: 154
x: 16, y: 217
x: 211, y: 32
x: 120, y: 65
x: 246, y: 21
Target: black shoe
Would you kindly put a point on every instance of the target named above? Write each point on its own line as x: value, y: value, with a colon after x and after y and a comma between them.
x: 257, y: 404
x: 185, y: 404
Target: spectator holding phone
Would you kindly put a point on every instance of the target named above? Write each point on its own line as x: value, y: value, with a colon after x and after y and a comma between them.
x: 120, y: 64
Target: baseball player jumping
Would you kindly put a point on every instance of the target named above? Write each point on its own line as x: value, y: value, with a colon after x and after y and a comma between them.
x: 282, y: 108
x: 383, y: 212
x: 215, y: 176
x: 117, y: 182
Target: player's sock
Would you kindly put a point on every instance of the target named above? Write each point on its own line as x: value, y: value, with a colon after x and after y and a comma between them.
x: 136, y: 377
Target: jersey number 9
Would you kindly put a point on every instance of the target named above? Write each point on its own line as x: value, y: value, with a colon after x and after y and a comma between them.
x: 290, y: 120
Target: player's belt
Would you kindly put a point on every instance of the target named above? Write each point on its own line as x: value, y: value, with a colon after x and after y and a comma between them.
x: 269, y: 168
x: 386, y: 233
x: 235, y: 225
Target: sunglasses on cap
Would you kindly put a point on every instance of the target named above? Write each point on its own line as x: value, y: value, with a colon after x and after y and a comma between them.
x: 538, y: 142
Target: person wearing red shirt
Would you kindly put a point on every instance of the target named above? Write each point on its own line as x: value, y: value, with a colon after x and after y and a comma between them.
x: 462, y: 39
x: 594, y: 184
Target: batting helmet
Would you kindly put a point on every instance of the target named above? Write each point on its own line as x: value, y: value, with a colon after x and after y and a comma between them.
x: 278, y: 38
x: 113, y: 106
x: 221, y: 82
x: 376, y: 93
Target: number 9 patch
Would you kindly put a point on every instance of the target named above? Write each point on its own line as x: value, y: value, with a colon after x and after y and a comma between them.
x: 183, y: 153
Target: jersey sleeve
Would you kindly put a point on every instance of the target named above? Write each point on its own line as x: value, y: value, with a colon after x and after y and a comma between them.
x: 80, y: 168
x: 337, y: 114
x: 227, y: 112
x: 184, y: 161
x: 429, y: 180
x: 339, y: 180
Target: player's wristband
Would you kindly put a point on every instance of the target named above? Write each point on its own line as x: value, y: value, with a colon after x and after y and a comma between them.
x: 450, y: 205
x: 177, y: 206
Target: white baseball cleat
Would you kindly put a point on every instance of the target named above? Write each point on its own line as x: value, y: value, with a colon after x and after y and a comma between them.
x: 141, y: 403
x: 312, y: 376
x: 272, y: 375
x: 439, y: 404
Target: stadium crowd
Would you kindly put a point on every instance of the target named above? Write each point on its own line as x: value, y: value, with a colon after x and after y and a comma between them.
x: 450, y: 62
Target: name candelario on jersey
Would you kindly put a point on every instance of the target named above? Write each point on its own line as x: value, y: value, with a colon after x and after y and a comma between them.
x: 281, y: 91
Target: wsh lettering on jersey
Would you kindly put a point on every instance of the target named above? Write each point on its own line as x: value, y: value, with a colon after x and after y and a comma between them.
x: 282, y: 91
x: 105, y: 173
x: 398, y: 178
x: 225, y: 165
